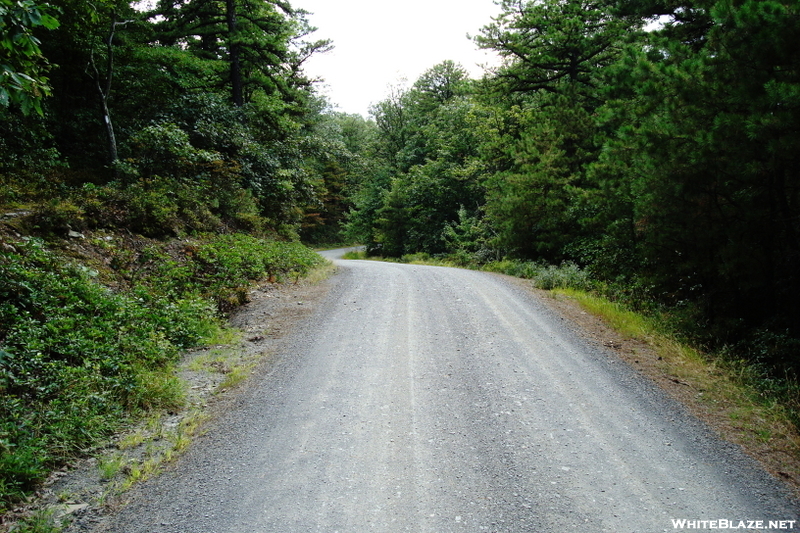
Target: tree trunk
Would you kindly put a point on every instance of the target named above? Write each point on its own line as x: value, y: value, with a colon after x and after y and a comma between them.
x: 105, y: 91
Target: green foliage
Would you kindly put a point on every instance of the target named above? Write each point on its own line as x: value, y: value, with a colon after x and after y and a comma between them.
x: 22, y: 65
x: 566, y: 276
x: 212, y: 145
x: 470, y: 240
x: 341, y: 145
x: 167, y: 187
x: 259, y: 44
x: 535, y: 201
x: 554, y: 46
x: 27, y: 152
x: 425, y: 148
x: 174, y: 124
x: 77, y: 359
x: 153, y: 207
x: 42, y: 521
x: 222, y: 269
x: 713, y: 185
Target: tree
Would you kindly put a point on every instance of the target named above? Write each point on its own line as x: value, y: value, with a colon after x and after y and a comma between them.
x: 558, y: 55
x: 426, y: 144
x: 391, y: 117
x: 339, y: 157
x: 23, y: 67
x: 714, y: 168
x: 86, y: 46
x: 104, y: 83
x: 261, y: 42
x: 556, y: 46
x: 534, y: 202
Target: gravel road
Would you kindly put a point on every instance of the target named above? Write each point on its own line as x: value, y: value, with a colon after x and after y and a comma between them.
x: 438, y: 400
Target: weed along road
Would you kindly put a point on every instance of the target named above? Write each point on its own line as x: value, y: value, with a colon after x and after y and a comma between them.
x: 436, y: 400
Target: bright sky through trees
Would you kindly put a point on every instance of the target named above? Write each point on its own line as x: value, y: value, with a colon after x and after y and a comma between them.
x: 377, y: 43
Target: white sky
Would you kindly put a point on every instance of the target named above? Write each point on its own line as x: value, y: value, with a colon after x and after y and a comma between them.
x: 379, y: 42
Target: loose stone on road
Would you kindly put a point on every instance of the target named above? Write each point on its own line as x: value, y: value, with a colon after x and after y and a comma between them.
x: 438, y: 400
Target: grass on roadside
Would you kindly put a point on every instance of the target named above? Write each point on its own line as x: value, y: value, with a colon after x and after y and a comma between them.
x: 731, y: 392
x: 42, y: 521
x: 356, y: 255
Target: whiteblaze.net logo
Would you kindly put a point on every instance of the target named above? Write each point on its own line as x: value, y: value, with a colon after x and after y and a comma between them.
x: 753, y: 525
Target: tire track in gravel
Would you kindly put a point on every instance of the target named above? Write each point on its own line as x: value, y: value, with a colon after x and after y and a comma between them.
x: 440, y: 400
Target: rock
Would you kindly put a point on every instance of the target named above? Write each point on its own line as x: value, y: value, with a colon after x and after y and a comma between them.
x: 15, y: 214
x: 75, y: 507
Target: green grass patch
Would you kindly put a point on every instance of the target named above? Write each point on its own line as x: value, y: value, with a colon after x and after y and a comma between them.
x: 629, y: 323
x: 42, y: 521
x: 236, y: 375
x: 355, y: 255
x: 110, y: 466
x: 565, y: 276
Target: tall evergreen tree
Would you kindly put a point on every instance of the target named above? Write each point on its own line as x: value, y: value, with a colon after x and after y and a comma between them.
x: 714, y: 164
x: 557, y: 55
x: 259, y: 44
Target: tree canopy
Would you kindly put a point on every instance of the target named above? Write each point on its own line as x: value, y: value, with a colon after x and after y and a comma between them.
x: 23, y: 67
x: 653, y: 143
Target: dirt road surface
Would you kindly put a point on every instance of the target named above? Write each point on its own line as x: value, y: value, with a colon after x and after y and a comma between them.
x: 436, y: 400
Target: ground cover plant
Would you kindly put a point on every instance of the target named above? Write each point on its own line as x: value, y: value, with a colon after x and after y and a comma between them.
x: 78, y: 359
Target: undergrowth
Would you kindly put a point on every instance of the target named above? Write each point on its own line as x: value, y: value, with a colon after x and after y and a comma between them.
x: 547, y: 277
x: 78, y: 359
x: 221, y: 268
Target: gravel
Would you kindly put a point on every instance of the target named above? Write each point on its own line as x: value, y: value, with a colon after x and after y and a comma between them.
x: 438, y: 400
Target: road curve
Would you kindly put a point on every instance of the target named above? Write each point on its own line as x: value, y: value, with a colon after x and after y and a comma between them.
x: 436, y: 400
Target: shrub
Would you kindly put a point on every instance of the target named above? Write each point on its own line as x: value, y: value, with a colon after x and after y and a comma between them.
x: 76, y: 359
x: 566, y: 276
x: 227, y: 265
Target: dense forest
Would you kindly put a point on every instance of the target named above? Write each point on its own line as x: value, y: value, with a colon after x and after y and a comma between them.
x: 193, y: 116
x: 652, y: 144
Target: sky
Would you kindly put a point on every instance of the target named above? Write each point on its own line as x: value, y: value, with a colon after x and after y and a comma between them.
x: 377, y: 43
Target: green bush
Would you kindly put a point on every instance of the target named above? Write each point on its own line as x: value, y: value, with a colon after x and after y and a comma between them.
x: 566, y: 276
x: 77, y: 359
x: 58, y: 216
x: 219, y: 268
x: 226, y: 266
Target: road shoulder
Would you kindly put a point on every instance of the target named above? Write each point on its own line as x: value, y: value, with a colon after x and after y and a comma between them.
x: 775, y: 454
